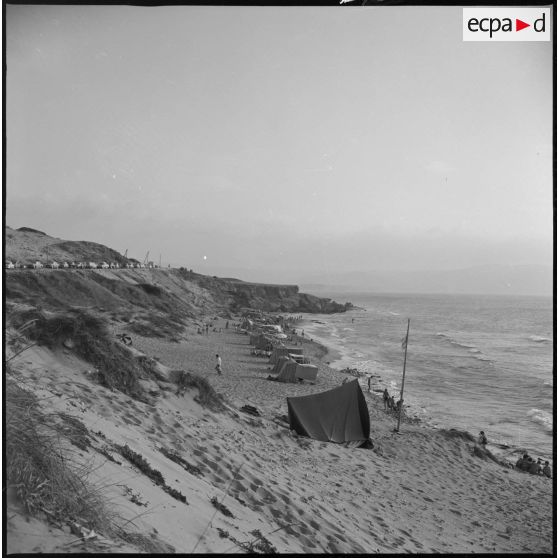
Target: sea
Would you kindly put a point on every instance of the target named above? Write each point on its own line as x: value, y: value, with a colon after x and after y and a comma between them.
x: 474, y: 362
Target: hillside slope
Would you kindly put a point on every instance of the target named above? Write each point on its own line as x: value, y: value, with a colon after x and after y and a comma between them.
x: 179, y: 292
x: 26, y: 246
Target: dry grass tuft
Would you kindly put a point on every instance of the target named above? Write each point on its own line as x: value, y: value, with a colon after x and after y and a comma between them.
x: 37, y: 467
x: 175, y: 457
x: 207, y: 397
x: 154, y: 474
x: 48, y: 482
x: 155, y: 325
x: 90, y: 340
x: 454, y: 434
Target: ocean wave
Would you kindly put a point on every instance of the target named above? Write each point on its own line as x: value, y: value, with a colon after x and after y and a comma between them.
x: 453, y: 341
x: 538, y: 339
x: 473, y: 349
x: 542, y: 418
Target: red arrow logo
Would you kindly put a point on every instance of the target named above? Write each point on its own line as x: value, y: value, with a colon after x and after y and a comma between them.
x: 519, y: 25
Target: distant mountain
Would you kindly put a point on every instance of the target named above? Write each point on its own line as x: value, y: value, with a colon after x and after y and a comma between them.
x: 488, y: 279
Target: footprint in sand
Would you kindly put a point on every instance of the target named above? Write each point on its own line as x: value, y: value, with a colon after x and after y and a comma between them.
x: 275, y: 513
x: 265, y: 495
x: 314, y: 524
x: 238, y: 486
x: 285, y: 498
x: 307, y: 544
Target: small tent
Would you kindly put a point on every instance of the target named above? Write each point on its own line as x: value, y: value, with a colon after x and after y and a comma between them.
x: 279, y: 352
x: 339, y: 415
x: 264, y: 343
x: 287, y: 372
x: 306, y: 372
x: 279, y: 364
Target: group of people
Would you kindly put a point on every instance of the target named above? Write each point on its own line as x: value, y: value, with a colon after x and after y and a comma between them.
x: 389, y: 402
x: 529, y: 465
x: 206, y: 329
x: 525, y: 463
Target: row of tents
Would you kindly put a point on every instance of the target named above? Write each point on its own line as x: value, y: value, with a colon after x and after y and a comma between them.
x: 338, y: 415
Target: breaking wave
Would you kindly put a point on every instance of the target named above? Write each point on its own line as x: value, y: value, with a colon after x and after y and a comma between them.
x: 453, y: 341
x: 539, y: 339
x: 542, y: 418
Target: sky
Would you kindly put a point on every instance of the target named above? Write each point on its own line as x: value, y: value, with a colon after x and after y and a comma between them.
x: 279, y: 144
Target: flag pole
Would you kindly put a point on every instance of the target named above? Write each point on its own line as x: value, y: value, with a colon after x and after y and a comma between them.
x: 403, y: 380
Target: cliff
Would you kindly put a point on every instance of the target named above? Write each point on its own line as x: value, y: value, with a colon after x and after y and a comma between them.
x: 238, y: 294
x: 142, y: 294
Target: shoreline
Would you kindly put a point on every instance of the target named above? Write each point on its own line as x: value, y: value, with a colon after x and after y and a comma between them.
x: 506, y: 452
x: 422, y: 490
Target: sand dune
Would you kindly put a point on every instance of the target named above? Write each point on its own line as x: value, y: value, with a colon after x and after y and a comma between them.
x: 419, y: 491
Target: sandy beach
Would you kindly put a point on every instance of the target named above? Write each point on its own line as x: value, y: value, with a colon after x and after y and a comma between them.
x: 420, y: 490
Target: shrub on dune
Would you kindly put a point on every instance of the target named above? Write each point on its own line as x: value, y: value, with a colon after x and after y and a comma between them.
x: 89, y: 340
x: 207, y: 397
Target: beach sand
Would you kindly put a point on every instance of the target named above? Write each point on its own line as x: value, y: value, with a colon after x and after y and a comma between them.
x: 421, y: 490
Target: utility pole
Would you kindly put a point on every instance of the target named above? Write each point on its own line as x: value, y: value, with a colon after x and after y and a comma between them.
x: 403, y: 380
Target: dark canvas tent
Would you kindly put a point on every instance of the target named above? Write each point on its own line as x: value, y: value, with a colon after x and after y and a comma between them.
x: 338, y: 415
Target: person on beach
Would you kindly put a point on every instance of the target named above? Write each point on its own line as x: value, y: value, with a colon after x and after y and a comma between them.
x: 386, y: 398
x: 534, y: 467
x: 227, y: 325
x: 482, y: 441
x: 546, y: 470
x: 218, y: 365
x: 522, y: 462
x: 391, y: 403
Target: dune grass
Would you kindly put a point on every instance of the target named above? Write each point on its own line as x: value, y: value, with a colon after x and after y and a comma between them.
x: 155, y: 325
x: 90, y: 341
x: 207, y: 396
x: 41, y: 472
x: 48, y: 481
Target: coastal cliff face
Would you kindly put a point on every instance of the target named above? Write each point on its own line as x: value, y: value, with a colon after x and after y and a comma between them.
x: 179, y: 293
x: 269, y: 298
